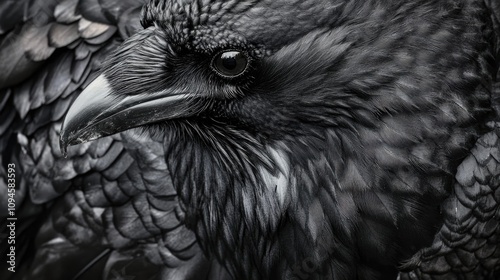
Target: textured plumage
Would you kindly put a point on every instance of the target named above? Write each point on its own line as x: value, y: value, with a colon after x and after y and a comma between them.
x: 361, y: 142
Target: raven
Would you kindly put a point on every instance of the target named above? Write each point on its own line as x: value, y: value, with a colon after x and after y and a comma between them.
x: 258, y: 139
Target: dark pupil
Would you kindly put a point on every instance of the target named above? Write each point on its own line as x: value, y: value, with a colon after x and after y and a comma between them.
x: 231, y: 63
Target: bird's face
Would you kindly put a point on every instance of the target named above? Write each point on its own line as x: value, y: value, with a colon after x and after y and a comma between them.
x: 268, y: 77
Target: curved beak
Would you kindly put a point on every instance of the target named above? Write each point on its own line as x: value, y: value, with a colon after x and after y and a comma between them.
x: 99, y: 112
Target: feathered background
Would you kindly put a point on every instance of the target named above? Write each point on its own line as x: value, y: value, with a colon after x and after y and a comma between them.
x: 361, y: 141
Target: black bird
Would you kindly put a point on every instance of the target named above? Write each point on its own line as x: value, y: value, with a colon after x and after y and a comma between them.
x: 313, y: 139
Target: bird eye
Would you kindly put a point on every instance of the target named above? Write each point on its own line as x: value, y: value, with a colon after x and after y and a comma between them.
x: 230, y: 64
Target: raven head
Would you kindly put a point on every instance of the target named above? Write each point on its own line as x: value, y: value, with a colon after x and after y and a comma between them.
x: 325, y: 131
x: 194, y: 67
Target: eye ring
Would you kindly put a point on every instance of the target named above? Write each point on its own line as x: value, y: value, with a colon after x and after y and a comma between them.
x: 230, y: 64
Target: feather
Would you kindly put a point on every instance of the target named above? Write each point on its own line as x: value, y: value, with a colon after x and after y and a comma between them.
x: 7, y: 117
x: 89, y: 29
x: 82, y: 51
x: 65, y: 12
x: 121, y: 164
x: 101, y: 38
x: 127, y: 220
x: 79, y: 68
x: 36, y: 42
x: 61, y: 35
x: 127, y: 24
x: 58, y: 78
x: 11, y: 13
x: 91, y: 10
x: 115, y: 8
x: 16, y: 66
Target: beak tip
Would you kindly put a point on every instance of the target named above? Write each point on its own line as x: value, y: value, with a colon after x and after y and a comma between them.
x: 71, y: 138
x: 76, y: 128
